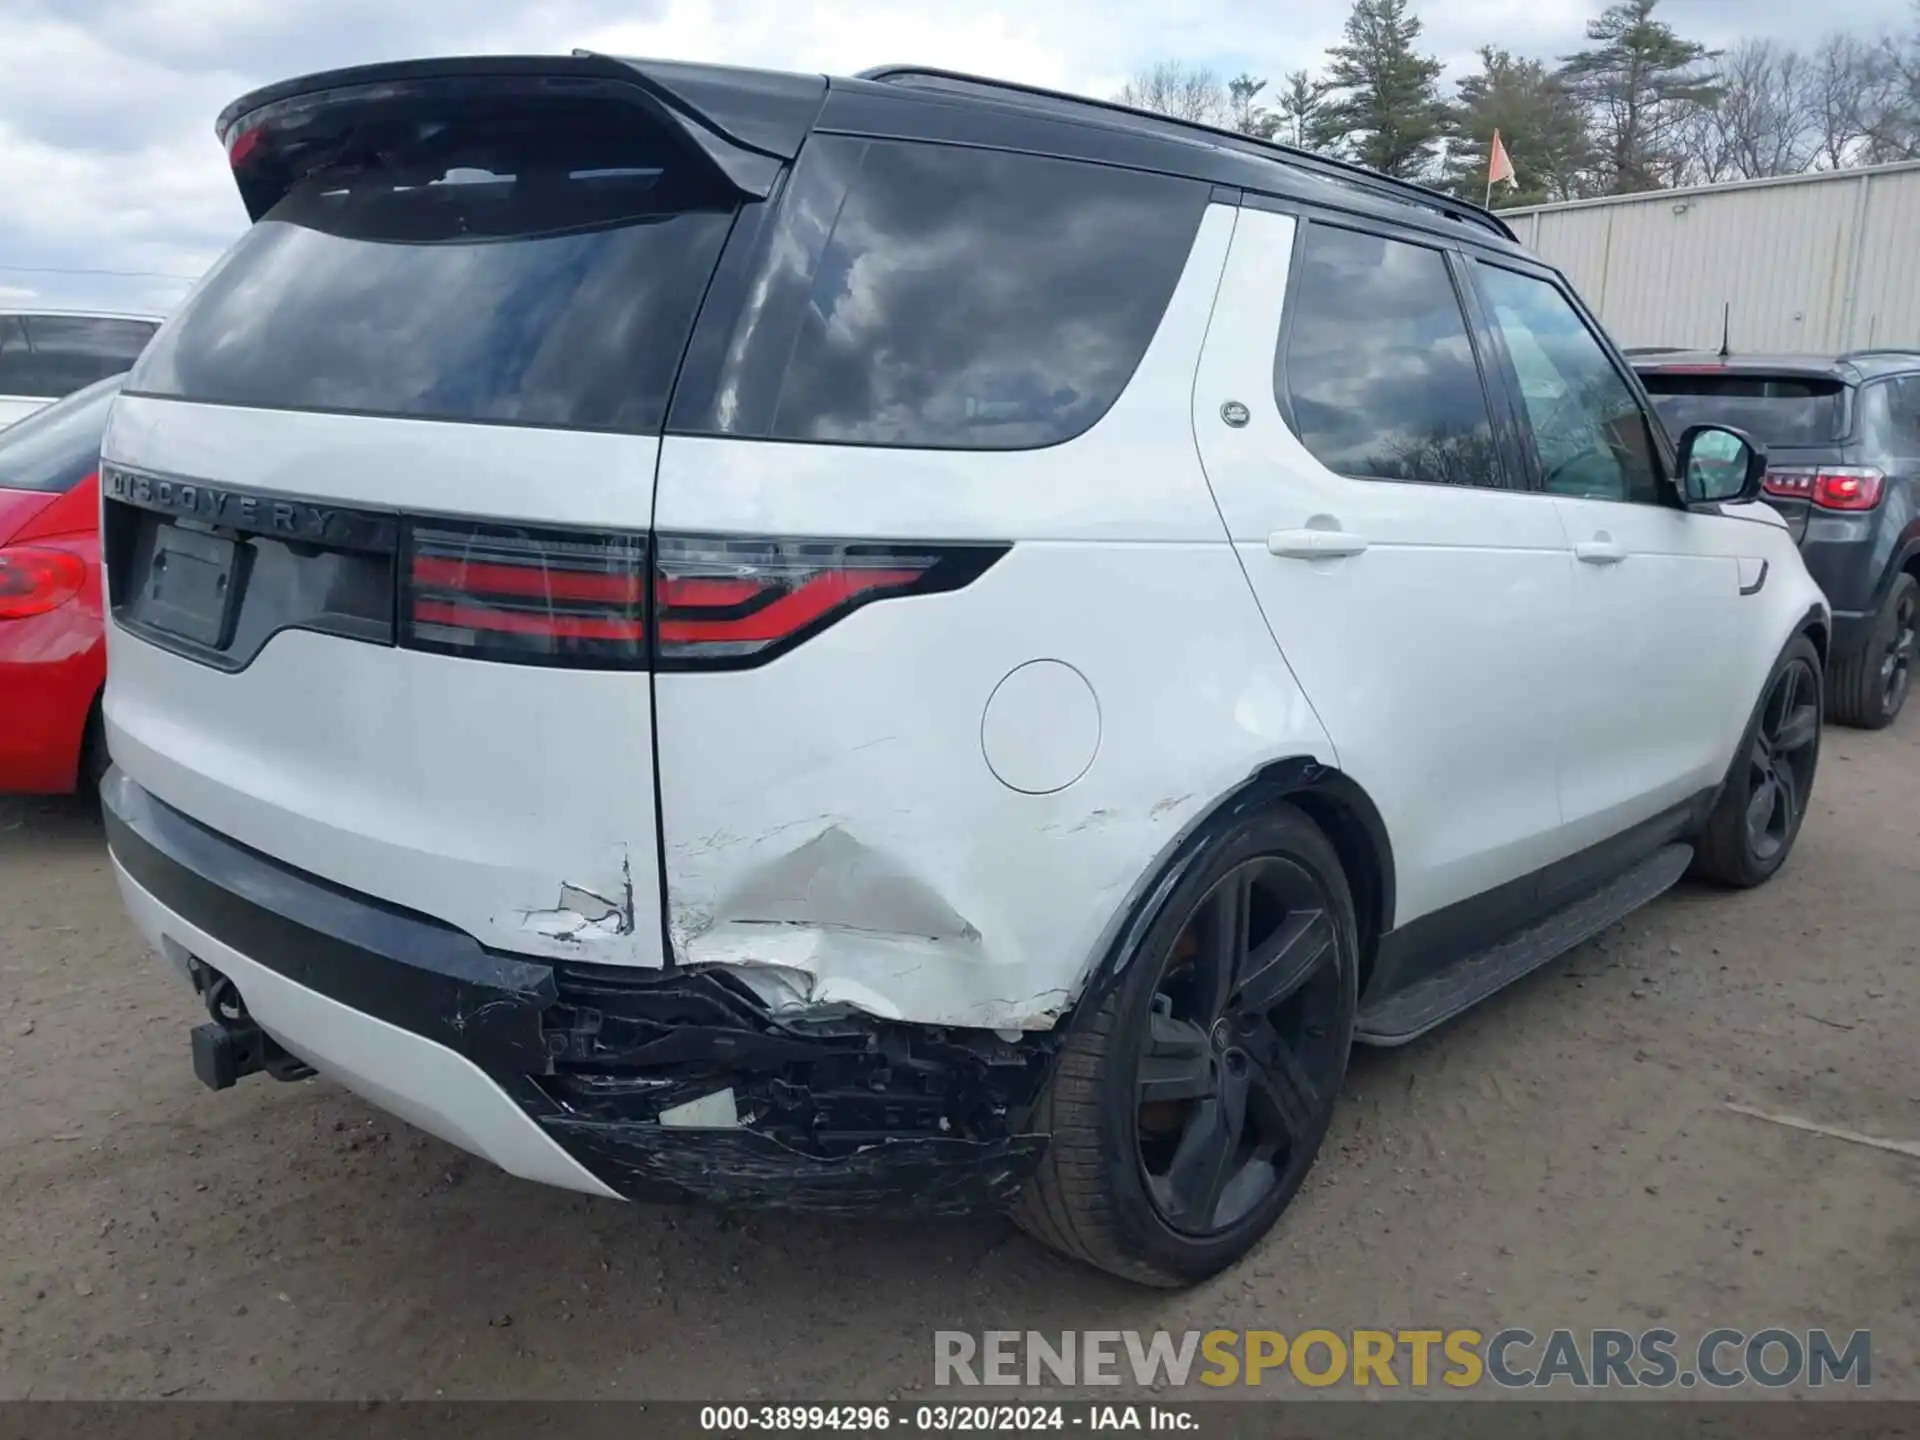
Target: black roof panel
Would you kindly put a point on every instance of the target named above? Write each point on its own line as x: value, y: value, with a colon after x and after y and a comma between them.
x: 1194, y: 133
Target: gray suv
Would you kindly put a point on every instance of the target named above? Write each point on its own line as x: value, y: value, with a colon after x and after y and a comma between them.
x: 1843, y: 437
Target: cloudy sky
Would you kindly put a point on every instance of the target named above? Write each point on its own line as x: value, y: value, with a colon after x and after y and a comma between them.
x: 108, y: 162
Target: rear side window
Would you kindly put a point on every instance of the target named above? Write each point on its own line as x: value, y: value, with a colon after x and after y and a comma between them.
x: 56, y: 448
x: 1903, y: 414
x: 1774, y: 409
x: 1376, y: 371
x: 16, y: 361
x: 935, y: 296
x: 519, y: 264
x: 71, y: 352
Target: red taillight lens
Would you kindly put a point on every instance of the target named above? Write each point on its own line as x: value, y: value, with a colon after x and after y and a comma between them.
x: 535, y: 596
x: 1831, y: 487
x: 1851, y: 489
x: 34, y: 581
x: 548, y: 597
x: 729, y: 601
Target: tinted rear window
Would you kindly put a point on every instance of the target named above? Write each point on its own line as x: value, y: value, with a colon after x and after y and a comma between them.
x: 56, y: 448
x: 16, y: 361
x: 71, y: 352
x: 935, y: 296
x: 1774, y: 409
x: 521, y: 267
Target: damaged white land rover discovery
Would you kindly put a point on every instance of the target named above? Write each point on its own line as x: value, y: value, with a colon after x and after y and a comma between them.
x: 903, y: 641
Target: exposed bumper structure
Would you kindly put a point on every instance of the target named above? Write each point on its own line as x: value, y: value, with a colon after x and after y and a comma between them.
x: 644, y: 1085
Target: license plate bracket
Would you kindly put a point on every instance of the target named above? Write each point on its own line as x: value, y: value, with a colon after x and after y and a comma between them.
x: 192, y: 586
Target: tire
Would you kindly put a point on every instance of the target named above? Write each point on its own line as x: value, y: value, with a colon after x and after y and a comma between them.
x: 1763, y: 801
x: 1869, y: 687
x: 1131, y: 1130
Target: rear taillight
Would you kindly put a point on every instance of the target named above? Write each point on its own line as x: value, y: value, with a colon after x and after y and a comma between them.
x: 34, y: 581
x: 534, y: 596
x: 559, y: 598
x: 725, y: 602
x: 1831, y: 487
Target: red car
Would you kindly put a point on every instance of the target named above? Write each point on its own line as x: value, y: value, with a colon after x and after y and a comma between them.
x: 53, y: 655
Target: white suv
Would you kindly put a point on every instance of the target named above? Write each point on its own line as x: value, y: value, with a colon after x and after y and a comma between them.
x: 902, y: 641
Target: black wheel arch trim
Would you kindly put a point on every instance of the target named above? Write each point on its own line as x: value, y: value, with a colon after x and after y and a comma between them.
x: 1817, y: 626
x: 1326, y: 794
x: 1906, y: 561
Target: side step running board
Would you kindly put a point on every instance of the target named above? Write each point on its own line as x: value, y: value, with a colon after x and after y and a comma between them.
x: 1412, y: 1012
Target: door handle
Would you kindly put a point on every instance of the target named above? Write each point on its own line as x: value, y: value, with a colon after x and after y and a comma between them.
x: 1315, y: 544
x: 1600, y: 551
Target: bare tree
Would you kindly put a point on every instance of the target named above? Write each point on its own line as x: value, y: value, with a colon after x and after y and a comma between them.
x: 1764, y: 123
x: 1186, y: 92
x: 1838, y: 80
x: 1891, y: 105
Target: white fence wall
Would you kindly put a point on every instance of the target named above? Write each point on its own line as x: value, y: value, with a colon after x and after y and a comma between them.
x: 1810, y: 263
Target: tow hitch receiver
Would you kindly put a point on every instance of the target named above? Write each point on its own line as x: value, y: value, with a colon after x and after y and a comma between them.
x: 233, y: 1047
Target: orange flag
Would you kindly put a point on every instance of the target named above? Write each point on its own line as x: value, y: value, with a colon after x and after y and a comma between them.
x: 1499, y: 167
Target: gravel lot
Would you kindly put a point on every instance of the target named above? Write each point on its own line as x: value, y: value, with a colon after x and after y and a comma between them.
x: 1563, y: 1156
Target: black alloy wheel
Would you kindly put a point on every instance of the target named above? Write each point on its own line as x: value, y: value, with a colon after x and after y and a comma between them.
x: 1786, y: 746
x: 1243, y: 1050
x: 1197, y: 1080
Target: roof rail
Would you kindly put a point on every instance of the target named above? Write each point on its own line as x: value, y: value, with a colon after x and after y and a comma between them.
x: 1871, y: 350
x: 1345, y: 172
x: 1654, y: 350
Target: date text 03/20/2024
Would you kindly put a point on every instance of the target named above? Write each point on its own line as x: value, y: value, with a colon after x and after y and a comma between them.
x: 936, y: 1419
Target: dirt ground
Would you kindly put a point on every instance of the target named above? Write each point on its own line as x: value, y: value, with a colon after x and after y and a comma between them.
x: 1562, y: 1156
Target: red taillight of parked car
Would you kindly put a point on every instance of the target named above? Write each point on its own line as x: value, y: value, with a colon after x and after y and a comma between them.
x: 1831, y: 487
x: 34, y: 580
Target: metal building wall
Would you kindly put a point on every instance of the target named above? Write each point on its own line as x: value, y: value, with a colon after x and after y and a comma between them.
x: 1816, y: 263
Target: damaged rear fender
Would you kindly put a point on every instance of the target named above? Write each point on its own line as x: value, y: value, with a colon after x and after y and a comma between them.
x: 1341, y: 808
x: 835, y: 922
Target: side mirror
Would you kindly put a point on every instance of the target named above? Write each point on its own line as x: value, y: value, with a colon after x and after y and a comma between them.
x: 1720, y: 466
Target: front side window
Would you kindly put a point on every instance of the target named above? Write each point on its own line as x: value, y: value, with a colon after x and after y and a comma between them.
x: 1590, y: 432
x: 1376, y: 369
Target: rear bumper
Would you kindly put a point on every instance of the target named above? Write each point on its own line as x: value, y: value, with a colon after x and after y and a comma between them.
x: 1851, y: 630
x: 562, y: 1073
x: 1847, y: 557
x: 51, y: 668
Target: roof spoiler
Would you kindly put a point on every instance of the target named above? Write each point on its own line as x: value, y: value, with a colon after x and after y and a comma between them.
x: 747, y: 124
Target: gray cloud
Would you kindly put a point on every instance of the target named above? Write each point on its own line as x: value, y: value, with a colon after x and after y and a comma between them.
x: 108, y: 161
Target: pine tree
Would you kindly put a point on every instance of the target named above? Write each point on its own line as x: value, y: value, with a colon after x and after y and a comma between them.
x: 1245, y: 113
x: 1383, y: 104
x: 1541, y: 125
x: 1639, y: 85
